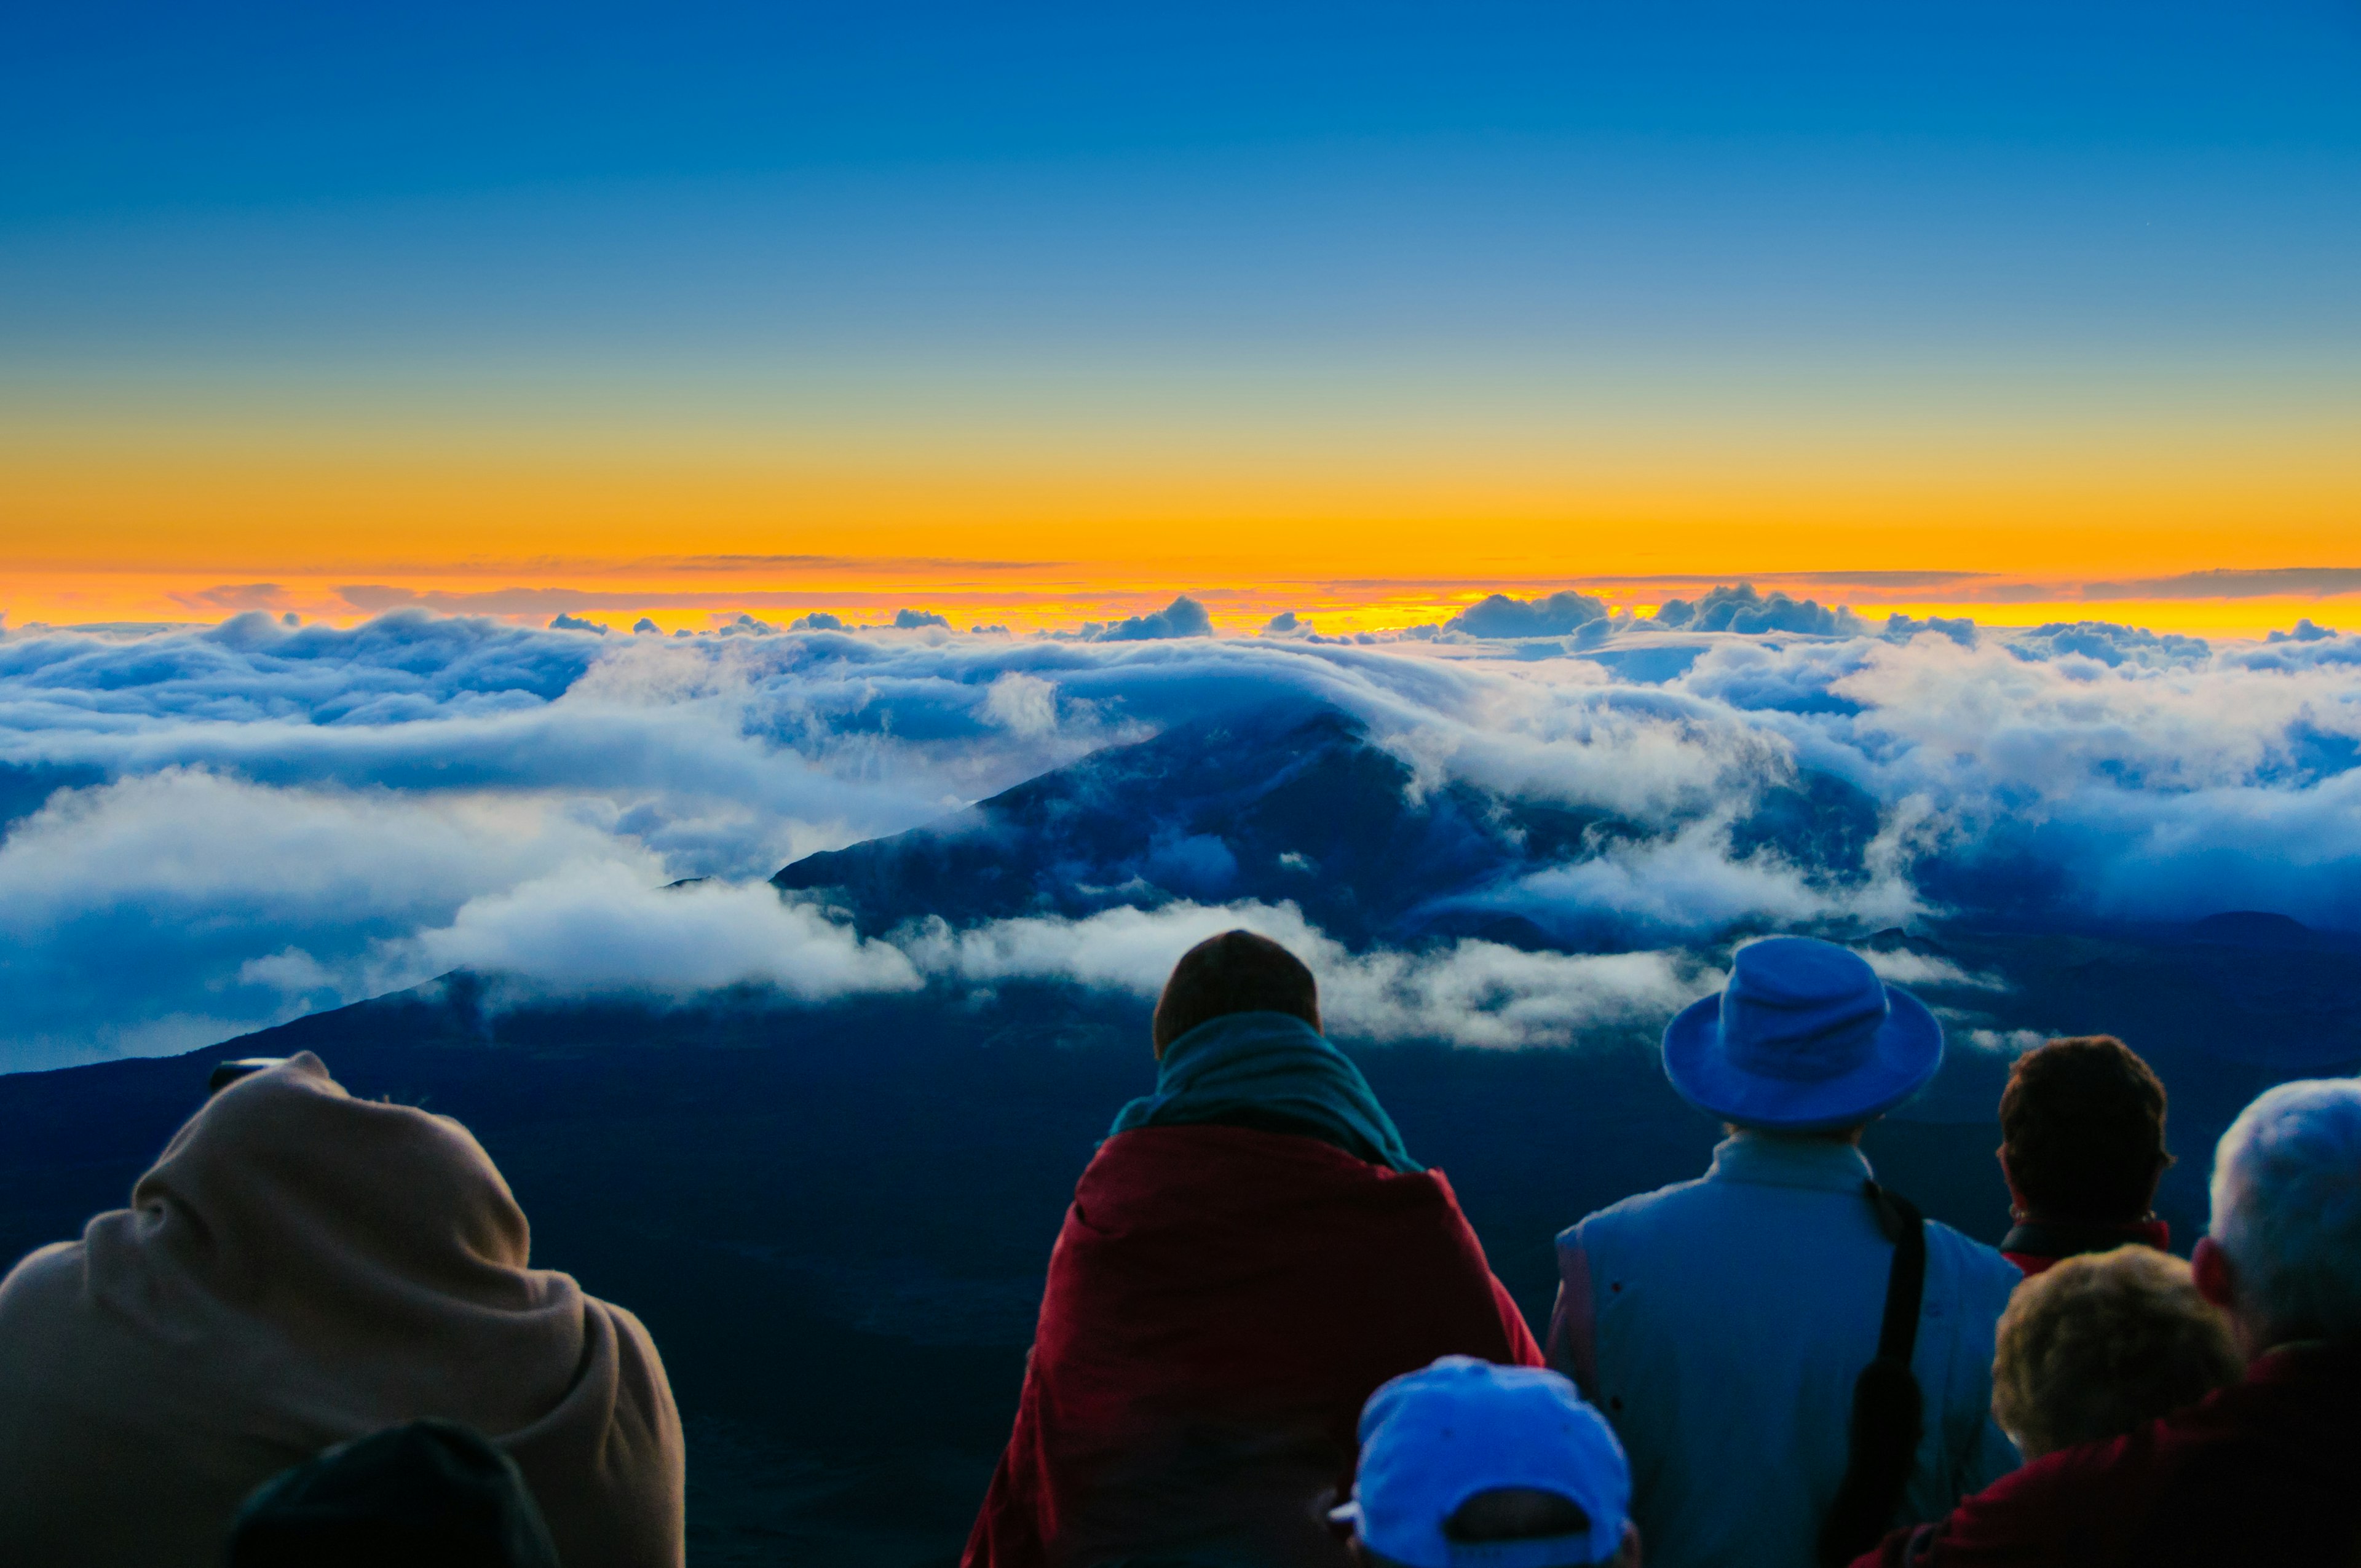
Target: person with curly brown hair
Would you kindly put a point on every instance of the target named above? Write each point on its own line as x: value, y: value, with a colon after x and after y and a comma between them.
x: 2104, y: 1342
x: 2082, y: 1127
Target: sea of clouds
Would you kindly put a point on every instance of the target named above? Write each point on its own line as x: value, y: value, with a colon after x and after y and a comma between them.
x: 211, y: 831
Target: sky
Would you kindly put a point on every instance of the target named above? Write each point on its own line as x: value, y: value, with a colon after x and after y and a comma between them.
x: 1032, y: 315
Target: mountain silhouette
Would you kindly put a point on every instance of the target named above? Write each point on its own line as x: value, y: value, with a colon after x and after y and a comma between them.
x: 1290, y: 802
x: 2252, y: 928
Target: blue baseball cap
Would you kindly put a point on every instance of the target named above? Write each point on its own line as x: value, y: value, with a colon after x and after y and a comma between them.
x: 1431, y: 1439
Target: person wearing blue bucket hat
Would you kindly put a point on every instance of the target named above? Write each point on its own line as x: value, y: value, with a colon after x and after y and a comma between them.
x: 1750, y: 1336
x: 1804, y: 1038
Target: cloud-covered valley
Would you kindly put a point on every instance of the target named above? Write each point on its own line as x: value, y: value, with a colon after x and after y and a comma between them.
x: 208, y: 832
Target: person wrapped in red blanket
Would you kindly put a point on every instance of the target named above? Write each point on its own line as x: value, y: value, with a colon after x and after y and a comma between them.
x: 1250, y: 1256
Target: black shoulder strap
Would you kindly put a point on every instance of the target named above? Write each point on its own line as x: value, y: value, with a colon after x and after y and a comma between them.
x: 1888, y: 1409
x: 1905, y: 1281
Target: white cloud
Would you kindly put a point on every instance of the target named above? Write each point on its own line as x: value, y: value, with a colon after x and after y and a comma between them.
x: 2001, y: 1042
x: 1905, y: 968
x: 165, y: 911
x: 284, y: 817
x: 1471, y: 993
x: 2053, y: 729
x: 1022, y: 703
x: 1482, y: 993
x: 1688, y: 884
x: 599, y: 928
x: 197, y: 848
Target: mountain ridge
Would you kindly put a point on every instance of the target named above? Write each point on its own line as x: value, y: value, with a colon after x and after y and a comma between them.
x: 1290, y: 802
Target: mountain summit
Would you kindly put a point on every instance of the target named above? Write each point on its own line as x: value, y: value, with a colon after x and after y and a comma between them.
x: 1284, y: 802
x: 1288, y: 802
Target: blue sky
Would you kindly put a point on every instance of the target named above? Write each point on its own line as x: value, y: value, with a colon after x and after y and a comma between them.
x: 2083, y: 271
x: 119, y: 109
x: 538, y: 185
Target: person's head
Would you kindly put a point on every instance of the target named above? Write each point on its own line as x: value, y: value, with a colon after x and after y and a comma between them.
x: 2101, y: 1344
x: 429, y: 1492
x: 1237, y: 971
x: 1469, y: 1462
x: 1804, y: 1041
x: 2081, y: 1130
x: 2283, y: 1257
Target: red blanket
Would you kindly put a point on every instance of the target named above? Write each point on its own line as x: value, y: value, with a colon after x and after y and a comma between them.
x: 2265, y: 1474
x: 1221, y: 1302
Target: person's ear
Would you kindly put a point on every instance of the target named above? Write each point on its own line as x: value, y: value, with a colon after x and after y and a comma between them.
x: 2209, y: 1269
x: 1628, y: 1555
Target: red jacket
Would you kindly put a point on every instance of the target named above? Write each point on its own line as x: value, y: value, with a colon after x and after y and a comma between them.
x: 2266, y: 1474
x: 1221, y: 1303
x: 2035, y: 1244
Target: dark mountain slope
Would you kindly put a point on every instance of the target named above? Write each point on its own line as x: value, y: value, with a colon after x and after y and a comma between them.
x: 1290, y: 802
x: 1282, y: 803
x: 835, y: 1219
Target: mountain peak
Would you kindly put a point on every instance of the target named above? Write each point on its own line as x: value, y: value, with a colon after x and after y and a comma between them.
x: 2252, y: 927
x: 1290, y: 802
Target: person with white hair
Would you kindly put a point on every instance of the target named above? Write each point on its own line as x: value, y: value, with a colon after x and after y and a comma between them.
x: 2265, y: 1472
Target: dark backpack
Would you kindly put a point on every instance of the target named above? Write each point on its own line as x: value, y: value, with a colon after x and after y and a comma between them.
x: 1888, y: 1410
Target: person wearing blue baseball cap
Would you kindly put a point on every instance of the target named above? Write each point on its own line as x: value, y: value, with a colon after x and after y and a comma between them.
x: 1793, y: 1359
x: 1465, y: 1464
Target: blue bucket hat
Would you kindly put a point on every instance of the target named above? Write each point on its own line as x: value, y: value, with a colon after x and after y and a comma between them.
x: 1803, y: 1038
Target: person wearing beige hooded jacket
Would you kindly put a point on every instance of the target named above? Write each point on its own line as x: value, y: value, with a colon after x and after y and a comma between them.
x: 302, y: 1267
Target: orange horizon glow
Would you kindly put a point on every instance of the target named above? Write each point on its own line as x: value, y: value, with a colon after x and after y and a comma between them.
x: 1411, y: 318
x: 104, y: 522
x: 1033, y: 599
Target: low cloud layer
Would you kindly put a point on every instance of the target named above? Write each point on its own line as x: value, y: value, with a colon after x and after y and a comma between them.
x: 1468, y: 992
x: 1498, y: 615
x: 1184, y: 616
x: 211, y: 831
x: 599, y: 926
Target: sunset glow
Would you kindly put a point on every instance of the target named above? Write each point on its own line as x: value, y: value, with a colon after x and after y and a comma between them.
x: 1036, y: 322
